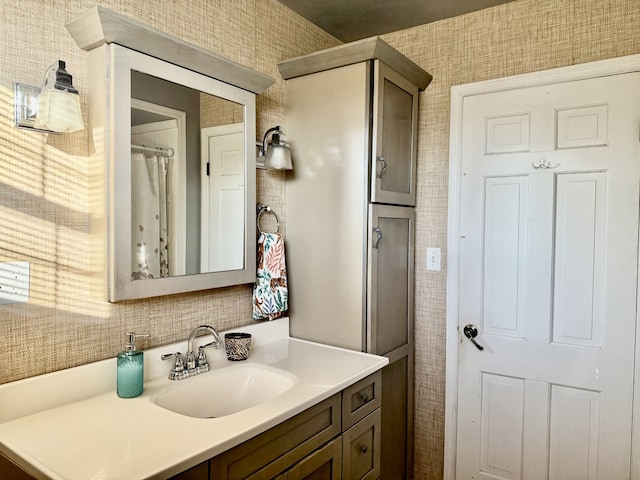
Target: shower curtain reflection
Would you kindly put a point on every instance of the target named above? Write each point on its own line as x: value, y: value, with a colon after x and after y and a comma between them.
x: 149, y: 222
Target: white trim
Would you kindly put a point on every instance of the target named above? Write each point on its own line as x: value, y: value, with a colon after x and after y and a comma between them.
x: 601, y: 68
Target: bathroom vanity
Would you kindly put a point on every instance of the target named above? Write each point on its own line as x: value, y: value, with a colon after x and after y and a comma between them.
x: 337, y: 438
x: 71, y: 424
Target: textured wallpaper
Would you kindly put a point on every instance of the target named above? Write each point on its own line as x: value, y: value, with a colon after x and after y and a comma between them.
x: 518, y: 37
x: 44, y: 192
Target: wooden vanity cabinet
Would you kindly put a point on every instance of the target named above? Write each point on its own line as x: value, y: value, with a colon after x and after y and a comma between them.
x: 338, y: 438
x: 10, y: 470
x: 323, y: 464
x: 272, y: 452
x: 354, y: 455
x: 199, y: 472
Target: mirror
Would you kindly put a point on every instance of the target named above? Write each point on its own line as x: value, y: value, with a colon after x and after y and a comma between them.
x: 187, y: 180
x: 180, y: 177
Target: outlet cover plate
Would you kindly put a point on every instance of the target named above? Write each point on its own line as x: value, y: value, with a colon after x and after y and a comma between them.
x: 14, y: 282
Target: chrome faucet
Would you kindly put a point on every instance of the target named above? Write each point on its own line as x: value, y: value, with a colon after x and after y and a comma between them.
x: 195, y: 363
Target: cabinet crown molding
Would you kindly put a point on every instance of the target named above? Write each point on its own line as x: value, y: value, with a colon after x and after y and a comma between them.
x: 355, y: 52
x: 98, y: 25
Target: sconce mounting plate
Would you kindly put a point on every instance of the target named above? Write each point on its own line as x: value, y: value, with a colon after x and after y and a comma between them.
x: 260, y: 157
x: 26, y: 104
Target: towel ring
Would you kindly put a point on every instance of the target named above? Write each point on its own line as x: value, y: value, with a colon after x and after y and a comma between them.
x: 261, y: 207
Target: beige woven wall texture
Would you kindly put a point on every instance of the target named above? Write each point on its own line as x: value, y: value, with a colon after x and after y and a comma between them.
x: 518, y: 37
x: 43, y: 180
x: 44, y: 191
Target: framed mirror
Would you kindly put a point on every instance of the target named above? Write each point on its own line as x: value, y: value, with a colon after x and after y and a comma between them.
x: 178, y: 148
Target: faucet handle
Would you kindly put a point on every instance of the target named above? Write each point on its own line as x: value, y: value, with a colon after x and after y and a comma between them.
x: 177, y: 371
x: 202, y: 364
x: 167, y: 356
x: 216, y: 343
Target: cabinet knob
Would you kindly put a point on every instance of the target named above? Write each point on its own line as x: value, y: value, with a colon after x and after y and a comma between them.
x: 363, y: 449
x: 364, y: 398
x: 383, y: 167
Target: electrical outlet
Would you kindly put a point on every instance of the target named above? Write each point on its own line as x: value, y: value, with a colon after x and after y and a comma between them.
x: 14, y: 282
x: 433, y: 259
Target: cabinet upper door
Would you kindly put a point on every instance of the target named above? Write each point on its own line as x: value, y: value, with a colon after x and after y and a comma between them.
x: 394, y: 148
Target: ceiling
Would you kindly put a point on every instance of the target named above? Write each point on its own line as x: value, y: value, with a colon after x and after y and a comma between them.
x: 350, y: 20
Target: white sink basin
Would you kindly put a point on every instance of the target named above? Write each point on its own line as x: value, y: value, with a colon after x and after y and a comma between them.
x: 226, y: 391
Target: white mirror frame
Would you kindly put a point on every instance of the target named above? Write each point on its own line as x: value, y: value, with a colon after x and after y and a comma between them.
x: 94, y: 31
x: 110, y: 118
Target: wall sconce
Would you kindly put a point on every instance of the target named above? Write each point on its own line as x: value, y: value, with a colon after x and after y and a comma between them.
x: 275, y: 155
x: 53, y: 109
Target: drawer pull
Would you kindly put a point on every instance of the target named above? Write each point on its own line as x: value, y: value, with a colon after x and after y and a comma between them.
x: 363, y: 449
x: 364, y: 397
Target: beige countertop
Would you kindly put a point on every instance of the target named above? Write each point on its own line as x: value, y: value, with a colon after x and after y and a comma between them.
x: 71, y: 424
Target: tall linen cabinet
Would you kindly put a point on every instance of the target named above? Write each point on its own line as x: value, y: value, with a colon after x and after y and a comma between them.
x: 352, y: 124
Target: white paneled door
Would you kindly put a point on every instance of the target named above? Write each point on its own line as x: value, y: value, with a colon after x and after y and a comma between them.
x: 548, y: 271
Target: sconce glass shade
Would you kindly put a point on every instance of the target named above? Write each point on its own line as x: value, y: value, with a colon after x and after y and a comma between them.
x: 54, y: 109
x: 276, y: 153
x: 59, y: 111
x: 278, y: 156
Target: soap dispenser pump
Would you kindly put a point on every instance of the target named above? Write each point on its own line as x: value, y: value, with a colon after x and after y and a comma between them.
x: 130, y: 374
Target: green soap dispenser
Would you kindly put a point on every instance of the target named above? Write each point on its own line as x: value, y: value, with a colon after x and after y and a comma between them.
x: 130, y: 374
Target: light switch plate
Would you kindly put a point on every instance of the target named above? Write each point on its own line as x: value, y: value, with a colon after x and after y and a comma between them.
x: 14, y: 282
x: 433, y: 259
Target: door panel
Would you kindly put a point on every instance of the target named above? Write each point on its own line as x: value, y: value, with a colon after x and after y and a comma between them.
x: 502, y: 425
x: 580, y: 255
x: 574, y: 434
x: 548, y: 274
x: 506, y: 211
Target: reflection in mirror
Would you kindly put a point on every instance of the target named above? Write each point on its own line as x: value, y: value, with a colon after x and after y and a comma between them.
x: 187, y: 183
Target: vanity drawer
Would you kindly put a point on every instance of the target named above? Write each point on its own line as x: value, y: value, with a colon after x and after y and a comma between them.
x: 360, y: 399
x: 361, y: 449
x: 323, y: 464
x: 199, y: 472
x: 275, y: 450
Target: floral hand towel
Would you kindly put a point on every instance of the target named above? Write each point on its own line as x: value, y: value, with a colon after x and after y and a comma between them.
x: 270, y: 294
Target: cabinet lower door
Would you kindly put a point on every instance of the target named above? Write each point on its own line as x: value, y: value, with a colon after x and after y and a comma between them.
x: 361, y: 449
x: 323, y: 464
x: 396, y: 449
x: 390, y: 278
